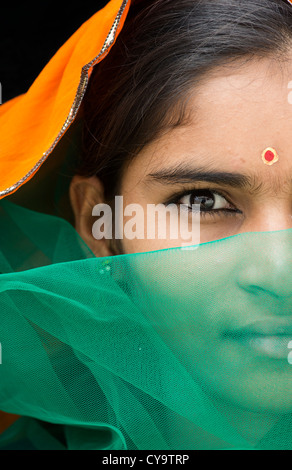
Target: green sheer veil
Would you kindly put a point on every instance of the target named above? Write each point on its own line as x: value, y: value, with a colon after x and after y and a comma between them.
x: 172, y: 349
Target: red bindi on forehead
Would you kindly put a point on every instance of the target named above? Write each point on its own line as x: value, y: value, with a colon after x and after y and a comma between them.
x: 270, y: 156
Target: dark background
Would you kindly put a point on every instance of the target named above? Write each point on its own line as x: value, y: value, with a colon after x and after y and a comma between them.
x: 30, y: 34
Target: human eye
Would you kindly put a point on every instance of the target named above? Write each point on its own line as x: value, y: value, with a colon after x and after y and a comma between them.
x: 212, y: 203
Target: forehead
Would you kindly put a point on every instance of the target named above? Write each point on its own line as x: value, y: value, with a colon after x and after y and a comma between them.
x: 235, y: 114
x: 255, y: 93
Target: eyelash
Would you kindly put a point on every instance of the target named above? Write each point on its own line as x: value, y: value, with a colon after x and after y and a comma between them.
x: 208, y: 213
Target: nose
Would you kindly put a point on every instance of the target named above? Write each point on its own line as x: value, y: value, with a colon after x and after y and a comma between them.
x: 266, y: 266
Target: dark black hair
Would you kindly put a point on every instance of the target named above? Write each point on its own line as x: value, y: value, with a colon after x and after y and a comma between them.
x: 165, y: 49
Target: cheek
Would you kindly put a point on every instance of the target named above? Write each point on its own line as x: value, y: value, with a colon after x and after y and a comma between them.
x: 156, y: 226
x: 143, y: 246
x: 185, y: 286
x: 187, y: 302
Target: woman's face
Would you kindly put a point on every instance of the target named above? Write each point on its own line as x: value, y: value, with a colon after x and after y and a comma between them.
x: 230, y: 307
x: 226, y: 307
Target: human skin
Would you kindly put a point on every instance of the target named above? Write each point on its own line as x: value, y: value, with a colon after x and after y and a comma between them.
x: 236, y: 114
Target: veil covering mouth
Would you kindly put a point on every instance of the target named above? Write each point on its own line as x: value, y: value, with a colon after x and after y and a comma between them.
x: 136, y: 351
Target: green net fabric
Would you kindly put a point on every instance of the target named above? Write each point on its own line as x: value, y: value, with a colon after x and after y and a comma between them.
x: 172, y: 349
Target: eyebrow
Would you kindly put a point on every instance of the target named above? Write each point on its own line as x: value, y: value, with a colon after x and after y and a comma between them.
x: 183, y: 174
